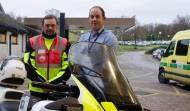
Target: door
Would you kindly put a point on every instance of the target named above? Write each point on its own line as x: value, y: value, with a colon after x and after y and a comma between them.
x: 167, y: 59
x: 180, y: 60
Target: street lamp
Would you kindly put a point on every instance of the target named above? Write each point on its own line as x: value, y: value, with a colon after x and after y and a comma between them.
x: 168, y: 36
x: 159, y: 34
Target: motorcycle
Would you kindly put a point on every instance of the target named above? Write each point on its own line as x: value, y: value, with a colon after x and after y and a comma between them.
x: 12, y: 78
x: 96, y: 84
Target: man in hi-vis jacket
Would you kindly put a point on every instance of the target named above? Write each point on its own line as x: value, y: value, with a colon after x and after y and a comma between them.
x: 45, y: 57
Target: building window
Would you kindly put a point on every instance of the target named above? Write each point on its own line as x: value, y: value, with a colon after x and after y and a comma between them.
x: 2, y: 38
x: 14, y: 39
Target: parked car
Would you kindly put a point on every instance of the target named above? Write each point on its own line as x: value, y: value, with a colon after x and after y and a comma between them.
x: 157, y: 54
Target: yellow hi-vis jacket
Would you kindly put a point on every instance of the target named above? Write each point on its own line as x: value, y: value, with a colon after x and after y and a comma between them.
x: 46, y: 65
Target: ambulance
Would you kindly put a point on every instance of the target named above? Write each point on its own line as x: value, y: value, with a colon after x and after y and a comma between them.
x: 175, y: 62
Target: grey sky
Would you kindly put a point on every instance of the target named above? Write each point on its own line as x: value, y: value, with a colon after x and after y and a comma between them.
x: 146, y: 11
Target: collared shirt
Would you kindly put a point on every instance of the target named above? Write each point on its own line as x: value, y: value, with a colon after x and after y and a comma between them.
x: 105, y: 36
x: 100, y: 31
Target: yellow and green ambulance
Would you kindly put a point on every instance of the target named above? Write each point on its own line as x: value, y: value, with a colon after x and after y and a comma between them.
x: 175, y: 62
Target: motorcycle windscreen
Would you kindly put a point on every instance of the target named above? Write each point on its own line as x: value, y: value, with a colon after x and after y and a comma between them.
x: 96, y: 67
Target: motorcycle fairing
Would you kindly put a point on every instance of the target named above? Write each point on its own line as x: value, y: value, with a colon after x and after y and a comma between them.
x: 96, y: 67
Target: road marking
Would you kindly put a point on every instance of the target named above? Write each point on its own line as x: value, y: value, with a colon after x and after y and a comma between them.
x: 144, y: 75
x: 176, y: 90
x: 163, y: 92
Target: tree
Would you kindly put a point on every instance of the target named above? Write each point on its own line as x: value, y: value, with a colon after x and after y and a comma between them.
x: 161, y: 30
x: 156, y: 31
x: 181, y: 23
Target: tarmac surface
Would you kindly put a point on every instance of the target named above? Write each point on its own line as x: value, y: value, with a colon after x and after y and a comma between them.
x: 142, y: 73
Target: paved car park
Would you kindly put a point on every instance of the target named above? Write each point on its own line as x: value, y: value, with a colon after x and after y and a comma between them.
x: 142, y: 71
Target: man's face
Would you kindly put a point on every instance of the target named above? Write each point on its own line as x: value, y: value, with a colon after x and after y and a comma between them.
x: 96, y: 19
x: 49, y: 26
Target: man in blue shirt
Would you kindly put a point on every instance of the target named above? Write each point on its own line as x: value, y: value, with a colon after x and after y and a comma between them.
x: 98, y: 33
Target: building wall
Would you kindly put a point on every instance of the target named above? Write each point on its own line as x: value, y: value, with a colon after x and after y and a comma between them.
x: 82, y: 23
x: 16, y: 49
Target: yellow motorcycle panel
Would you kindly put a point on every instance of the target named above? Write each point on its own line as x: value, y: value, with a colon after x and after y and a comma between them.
x: 108, y: 106
x: 86, y: 98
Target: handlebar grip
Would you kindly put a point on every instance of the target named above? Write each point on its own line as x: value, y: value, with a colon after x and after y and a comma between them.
x: 56, y: 87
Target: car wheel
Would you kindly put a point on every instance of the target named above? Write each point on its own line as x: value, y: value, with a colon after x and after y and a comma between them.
x: 161, y: 77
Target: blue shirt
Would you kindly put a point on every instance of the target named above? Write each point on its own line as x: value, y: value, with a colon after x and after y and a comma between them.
x: 106, y: 37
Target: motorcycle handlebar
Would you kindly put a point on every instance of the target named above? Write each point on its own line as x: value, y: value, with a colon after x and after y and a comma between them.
x: 56, y: 87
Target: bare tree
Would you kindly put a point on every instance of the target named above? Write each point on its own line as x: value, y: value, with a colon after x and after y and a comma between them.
x: 181, y: 23
x: 158, y: 31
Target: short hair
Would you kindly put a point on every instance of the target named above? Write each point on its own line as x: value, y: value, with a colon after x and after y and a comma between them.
x: 101, y: 9
x: 50, y: 16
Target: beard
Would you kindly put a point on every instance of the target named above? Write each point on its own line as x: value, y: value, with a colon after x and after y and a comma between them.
x: 49, y: 35
x: 49, y: 32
